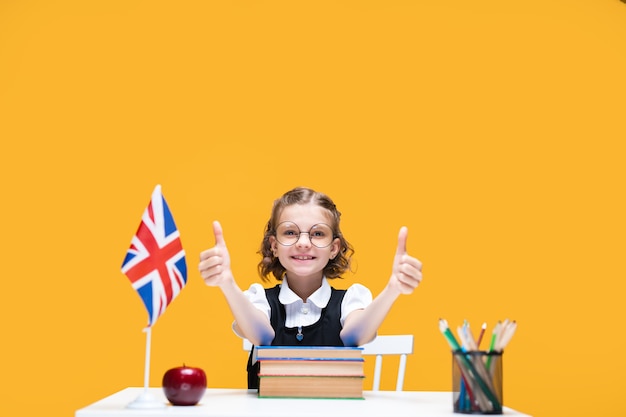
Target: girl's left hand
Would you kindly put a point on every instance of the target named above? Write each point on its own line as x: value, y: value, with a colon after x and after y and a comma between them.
x: 406, y: 273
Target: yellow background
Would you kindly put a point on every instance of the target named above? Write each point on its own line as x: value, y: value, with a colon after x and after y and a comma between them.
x: 494, y: 130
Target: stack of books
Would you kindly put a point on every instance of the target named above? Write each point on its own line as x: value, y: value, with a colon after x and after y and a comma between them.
x: 310, y: 371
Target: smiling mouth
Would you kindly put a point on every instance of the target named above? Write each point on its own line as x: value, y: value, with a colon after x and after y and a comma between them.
x: 303, y: 258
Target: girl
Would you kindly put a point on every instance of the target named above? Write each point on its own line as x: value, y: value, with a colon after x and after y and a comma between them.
x: 303, y: 248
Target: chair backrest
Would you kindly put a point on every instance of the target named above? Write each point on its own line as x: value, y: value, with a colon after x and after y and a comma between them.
x: 383, y: 345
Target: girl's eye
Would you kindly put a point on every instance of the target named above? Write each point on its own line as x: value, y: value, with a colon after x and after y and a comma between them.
x: 288, y: 230
x: 321, y: 231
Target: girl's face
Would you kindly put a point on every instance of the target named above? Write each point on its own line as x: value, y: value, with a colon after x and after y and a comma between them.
x: 303, y: 259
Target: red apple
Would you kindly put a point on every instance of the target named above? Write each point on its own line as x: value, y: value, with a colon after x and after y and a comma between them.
x: 184, y: 385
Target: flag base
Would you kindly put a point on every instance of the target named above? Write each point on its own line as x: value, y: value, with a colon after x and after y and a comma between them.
x: 146, y: 401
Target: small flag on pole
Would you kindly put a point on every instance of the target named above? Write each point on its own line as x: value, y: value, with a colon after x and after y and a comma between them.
x: 155, y: 262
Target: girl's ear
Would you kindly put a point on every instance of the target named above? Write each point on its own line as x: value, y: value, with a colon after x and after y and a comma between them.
x: 272, y: 241
x: 335, y: 248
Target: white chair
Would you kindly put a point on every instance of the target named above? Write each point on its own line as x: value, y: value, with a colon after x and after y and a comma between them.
x: 401, y: 345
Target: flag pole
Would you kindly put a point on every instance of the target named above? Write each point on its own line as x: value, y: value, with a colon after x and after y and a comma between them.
x: 145, y: 399
x: 146, y: 368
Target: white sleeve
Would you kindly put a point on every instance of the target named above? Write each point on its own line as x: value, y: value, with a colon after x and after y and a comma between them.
x: 357, y: 297
x: 256, y: 295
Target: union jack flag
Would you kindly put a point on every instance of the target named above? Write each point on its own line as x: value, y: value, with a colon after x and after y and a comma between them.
x: 155, y: 262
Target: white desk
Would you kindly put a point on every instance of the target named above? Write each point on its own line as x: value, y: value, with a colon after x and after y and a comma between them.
x: 244, y: 403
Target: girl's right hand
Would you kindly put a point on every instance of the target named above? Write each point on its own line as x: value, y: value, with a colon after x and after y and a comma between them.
x: 214, y: 263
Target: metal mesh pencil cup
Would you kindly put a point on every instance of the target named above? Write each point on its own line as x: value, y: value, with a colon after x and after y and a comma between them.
x: 477, y: 382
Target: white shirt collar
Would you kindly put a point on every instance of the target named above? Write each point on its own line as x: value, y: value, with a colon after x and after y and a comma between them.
x: 320, y: 297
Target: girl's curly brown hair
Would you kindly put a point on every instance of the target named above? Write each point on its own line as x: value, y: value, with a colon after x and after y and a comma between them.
x: 270, y: 264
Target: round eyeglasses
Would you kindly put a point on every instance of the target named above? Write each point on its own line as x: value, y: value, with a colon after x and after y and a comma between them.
x: 320, y: 235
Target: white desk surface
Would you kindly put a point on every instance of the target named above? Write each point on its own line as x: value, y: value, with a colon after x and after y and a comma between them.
x: 245, y: 403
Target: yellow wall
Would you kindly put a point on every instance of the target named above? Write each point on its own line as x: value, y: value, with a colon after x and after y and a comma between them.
x: 493, y: 130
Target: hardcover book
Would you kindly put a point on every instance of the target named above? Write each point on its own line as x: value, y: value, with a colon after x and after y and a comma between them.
x: 347, y: 387
x: 318, y: 366
x: 306, y: 352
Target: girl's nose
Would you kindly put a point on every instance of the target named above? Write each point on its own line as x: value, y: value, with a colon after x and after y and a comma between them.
x: 304, y: 242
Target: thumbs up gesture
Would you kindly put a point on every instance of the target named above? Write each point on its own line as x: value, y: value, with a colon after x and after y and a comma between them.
x: 214, y: 263
x: 406, y: 273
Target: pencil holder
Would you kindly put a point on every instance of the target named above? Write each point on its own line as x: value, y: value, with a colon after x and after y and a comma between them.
x: 477, y: 382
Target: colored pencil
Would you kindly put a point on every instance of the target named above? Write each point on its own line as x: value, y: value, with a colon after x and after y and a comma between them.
x: 481, y: 334
x: 507, y: 334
